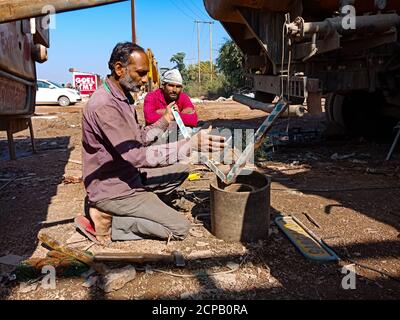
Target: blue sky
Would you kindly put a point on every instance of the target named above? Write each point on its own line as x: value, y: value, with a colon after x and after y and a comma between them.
x: 84, y: 39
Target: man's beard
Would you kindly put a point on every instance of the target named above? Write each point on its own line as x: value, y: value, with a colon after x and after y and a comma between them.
x: 173, y: 97
x: 128, y: 84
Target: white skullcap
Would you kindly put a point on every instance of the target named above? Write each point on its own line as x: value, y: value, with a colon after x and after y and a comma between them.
x: 172, y: 76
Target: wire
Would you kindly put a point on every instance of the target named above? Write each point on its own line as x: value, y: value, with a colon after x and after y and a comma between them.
x: 336, y: 190
x: 192, y: 40
x: 180, y: 9
x: 359, y: 264
x: 200, y: 10
x: 7, y: 183
x: 206, y: 274
x: 190, y: 9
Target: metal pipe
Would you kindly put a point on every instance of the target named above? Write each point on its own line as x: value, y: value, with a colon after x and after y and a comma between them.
x: 22, y: 9
x: 294, y: 110
x: 364, y: 24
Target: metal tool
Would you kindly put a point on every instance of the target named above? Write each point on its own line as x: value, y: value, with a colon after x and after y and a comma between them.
x: 304, y: 240
x: 396, y: 140
x: 259, y: 136
x: 312, y: 220
x: 137, y: 258
x: 179, y: 122
x: 175, y: 257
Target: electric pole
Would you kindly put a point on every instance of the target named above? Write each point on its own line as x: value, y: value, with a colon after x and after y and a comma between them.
x: 133, y: 21
x: 210, y: 23
x: 211, y: 48
x: 198, y: 49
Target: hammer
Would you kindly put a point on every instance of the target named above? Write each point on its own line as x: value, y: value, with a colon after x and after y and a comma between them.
x: 137, y: 258
x: 175, y: 257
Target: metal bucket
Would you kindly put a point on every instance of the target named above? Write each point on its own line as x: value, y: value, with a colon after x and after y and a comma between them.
x: 241, y: 211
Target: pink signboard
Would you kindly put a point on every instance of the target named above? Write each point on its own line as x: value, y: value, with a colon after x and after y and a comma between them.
x: 86, y: 83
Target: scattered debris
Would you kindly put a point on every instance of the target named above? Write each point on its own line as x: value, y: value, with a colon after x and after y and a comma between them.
x: 312, y: 220
x: 196, y: 100
x: 75, y: 161
x: 6, y: 184
x: 336, y: 156
x: 196, y: 233
x: 375, y: 171
x: 71, y: 179
x: 11, y: 260
x: 188, y: 295
x: 356, y: 161
x: 233, y: 265
x: 37, y: 116
x: 90, y: 281
x: 201, y: 244
x: 225, y: 280
x: 182, y: 204
x: 88, y: 273
x: 310, y: 155
x: 26, y: 287
x: 116, y: 279
x: 76, y: 238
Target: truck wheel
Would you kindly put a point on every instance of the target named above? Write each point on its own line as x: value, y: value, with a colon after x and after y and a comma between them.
x: 334, y: 109
x: 358, y: 113
x: 264, y: 96
x: 64, y: 101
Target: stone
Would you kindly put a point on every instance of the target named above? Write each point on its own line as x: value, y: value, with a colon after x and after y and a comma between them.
x: 201, y: 244
x: 26, y: 287
x: 11, y: 260
x: 116, y: 279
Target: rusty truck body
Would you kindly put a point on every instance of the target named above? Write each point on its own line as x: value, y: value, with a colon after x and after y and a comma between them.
x: 24, y: 39
x: 345, y: 50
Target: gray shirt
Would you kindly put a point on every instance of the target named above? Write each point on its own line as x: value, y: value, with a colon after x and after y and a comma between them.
x: 115, y: 145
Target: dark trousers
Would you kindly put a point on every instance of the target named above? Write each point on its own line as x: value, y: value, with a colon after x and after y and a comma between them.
x: 144, y: 215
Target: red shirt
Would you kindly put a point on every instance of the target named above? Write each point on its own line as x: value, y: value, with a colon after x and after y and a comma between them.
x: 155, y: 101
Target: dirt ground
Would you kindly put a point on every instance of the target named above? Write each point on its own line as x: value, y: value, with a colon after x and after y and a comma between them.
x: 354, y: 199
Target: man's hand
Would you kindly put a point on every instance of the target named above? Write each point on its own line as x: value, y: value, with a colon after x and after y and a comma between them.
x: 203, y: 141
x: 168, y: 113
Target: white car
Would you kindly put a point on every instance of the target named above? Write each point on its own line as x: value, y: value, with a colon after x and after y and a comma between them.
x: 51, y: 93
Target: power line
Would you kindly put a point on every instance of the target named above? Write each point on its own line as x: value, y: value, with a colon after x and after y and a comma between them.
x: 190, y: 9
x: 197, y: 9
x: 201, y: 10
x: 192, y: 40
x: 180, y: 9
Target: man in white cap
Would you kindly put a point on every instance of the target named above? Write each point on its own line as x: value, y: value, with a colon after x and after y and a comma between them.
x: 156, y: 102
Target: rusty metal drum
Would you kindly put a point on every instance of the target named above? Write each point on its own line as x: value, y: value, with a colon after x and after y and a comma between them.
x: 240, y: 212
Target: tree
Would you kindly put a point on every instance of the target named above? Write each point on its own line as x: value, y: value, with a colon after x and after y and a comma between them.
x: 230, y: 64
x: 178, y: 59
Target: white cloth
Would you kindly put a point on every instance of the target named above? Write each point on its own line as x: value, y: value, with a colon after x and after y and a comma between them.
x: 172, y: 76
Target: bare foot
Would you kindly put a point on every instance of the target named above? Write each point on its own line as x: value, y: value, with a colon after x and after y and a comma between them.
x: 102, y: 224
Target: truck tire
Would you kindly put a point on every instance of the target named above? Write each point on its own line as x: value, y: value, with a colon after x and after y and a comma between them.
x: 64, y: 101
x: 359, y: 113
x: 264, y: 96
x: 334, y: 109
